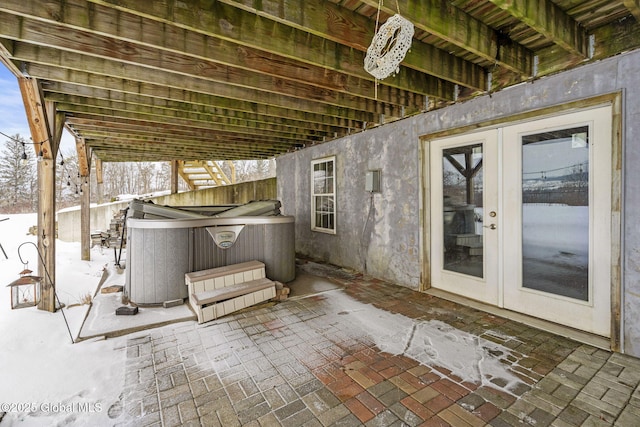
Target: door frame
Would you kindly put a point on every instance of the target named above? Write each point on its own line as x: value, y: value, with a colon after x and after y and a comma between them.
x: 487, y: 288
x: 613, y: 99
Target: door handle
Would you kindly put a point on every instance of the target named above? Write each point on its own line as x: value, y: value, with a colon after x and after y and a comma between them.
x: 490, y: 226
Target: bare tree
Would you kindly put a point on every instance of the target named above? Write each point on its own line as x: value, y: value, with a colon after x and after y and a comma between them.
x: 17, y: 176
x: 252, y: 170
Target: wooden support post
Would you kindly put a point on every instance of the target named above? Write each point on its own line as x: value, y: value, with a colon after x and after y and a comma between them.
x: 99, y: 181
x: 174, y: 176
x: 84, y: 169
x: 46, y: 137
x: 47, y: 232
x: 232, y: 166
x: 85, y: 218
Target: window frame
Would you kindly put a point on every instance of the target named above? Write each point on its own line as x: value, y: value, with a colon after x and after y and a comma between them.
x: 332, y: 194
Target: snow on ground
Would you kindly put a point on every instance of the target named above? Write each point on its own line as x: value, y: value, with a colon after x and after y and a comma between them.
x: 47, y: 380
x: 431, y: 343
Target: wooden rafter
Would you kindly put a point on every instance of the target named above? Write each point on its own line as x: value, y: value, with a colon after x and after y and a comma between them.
x: 249, y: 79
x: 56, y: 65
x: 75, y: 29
x: 549, y: 20
x: 37, y: 117
x: 349, y: 28
x: 84, y: 157
x: 148, y: 94
x: 634, y: 8
x: 5, y: 54
x: 227, y: 22
x: 462, y: 30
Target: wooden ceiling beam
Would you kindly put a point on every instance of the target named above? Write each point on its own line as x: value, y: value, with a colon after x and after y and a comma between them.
x: 211, y: 151
x: 278, y: 93
x: 105, y: 88
x: 454, y: 26
x: 619, y: 36
x: 169, y: 115
x: 155, y: 127
x: 37, y: 119
x: 145, y: 152
x: 243, y: 147
x: 122, y: 148
x: 249, y: 29
x: 214, y: 128
x: 152, y: 129
x: 348, y: 28
x: 84, y: 157
x: 634, y: 8
x: 6, y: 53
x: 136, y: 30
x: 90, y: 45
x: 549, y: 20
x: 87, y: 126
x: 214, y: 114
x: 66, y: 68
x: 216, y: 138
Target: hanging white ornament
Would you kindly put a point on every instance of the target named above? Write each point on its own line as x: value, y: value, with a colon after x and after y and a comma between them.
x: 389, y: 47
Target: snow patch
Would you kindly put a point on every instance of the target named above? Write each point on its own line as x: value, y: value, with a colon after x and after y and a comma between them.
x: 57, y: 382
x: 432, y: 342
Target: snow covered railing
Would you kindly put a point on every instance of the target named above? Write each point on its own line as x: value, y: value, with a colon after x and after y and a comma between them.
x: 219, y: 291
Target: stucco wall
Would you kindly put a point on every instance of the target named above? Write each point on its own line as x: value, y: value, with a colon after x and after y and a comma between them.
x: 384, y: 240
x: 377, y: 233
x: 101, y: 215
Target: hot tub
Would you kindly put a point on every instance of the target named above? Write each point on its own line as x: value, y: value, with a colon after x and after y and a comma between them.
x: 161, y: 251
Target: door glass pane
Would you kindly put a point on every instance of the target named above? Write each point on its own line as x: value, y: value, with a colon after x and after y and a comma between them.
x: 555, y: 212
x: 462, y: 182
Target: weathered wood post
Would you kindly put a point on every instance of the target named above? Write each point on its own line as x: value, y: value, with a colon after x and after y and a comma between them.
x: 99, y: 182
x: 46, y: 130
x: 84, y: 171
x: 174, y: 176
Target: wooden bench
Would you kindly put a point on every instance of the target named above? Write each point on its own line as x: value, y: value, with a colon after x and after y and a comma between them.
x: 219, y: 291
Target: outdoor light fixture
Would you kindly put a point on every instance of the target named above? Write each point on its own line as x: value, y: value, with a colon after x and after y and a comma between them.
x: 23, y: 158
x: 40, y: 153
x: 26, y: 290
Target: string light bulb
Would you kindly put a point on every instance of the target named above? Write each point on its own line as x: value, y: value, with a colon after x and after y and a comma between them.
x: 23, y: 158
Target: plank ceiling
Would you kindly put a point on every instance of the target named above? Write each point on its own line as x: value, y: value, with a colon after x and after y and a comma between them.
x: 247, y: 79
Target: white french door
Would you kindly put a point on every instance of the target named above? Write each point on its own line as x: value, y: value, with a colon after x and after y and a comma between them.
x: 464, y: 183
x: 521, y: 217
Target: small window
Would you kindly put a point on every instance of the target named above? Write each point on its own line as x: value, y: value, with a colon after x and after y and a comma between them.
x: 323, y: 192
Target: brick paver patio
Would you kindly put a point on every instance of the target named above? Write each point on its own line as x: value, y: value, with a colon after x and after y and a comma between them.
x: 318, y: 361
